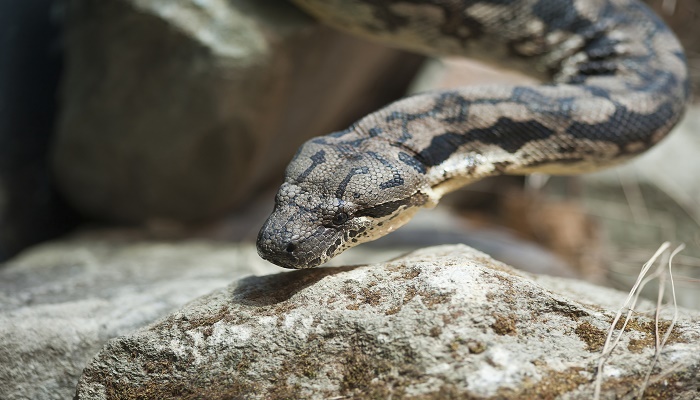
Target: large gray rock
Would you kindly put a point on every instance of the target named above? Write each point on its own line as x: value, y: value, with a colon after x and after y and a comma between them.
x: 445, y: 322
x: 61, y: 302
x: 180, y: 110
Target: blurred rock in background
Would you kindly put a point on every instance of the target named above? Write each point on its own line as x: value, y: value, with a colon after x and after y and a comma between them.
x: 30, y: 66
x: 181, y: 111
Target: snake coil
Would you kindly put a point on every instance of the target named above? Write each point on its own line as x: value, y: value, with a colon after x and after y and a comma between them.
x: 616, y: 83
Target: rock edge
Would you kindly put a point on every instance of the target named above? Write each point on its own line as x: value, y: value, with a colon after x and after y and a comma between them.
x: 442, y: 322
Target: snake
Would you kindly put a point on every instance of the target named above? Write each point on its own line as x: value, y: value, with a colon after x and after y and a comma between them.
x: 612, y: 82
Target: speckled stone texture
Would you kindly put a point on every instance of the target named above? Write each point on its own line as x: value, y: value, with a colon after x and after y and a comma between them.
x: 61, y: 302
x: 442, y: 322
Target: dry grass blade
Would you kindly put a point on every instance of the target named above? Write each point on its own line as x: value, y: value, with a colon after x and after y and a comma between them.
x: 635, y: 198
x: 660, y: 344
x: 629, y: 304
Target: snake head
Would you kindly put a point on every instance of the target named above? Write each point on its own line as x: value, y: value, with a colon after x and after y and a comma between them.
x: 334, y: 198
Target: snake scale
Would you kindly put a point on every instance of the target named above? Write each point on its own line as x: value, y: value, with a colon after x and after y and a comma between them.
x: 614, y: 79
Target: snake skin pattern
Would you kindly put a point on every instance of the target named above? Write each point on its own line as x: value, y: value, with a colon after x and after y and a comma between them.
x: 616, y: 83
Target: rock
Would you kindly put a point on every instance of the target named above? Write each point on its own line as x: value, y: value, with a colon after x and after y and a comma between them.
x: 61, y: 302
x: 30, y: 210
x: 181, y: 110
x: 444, y: 322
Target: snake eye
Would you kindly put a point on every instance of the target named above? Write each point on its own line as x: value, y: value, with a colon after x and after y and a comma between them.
x: 340, y: 218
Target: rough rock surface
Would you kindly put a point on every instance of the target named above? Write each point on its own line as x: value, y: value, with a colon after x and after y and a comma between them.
x: 443, y: 322
x: 61, y: 302
x: 179, y: 110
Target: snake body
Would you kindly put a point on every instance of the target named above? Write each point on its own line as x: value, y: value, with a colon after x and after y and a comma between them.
x: 615, y: 78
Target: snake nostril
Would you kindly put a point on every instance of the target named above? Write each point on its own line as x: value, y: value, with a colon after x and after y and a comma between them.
x: 290, y: 248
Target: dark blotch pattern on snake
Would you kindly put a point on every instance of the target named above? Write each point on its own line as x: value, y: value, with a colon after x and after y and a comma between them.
x: 616, y: 83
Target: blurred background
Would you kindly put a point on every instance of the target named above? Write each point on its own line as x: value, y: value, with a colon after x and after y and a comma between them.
x: 169, y: 120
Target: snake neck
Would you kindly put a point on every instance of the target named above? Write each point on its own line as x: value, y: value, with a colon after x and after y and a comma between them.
x: 618, y: 84
x: 618, y: 77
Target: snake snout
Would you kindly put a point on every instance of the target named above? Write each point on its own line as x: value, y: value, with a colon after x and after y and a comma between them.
x: 276, y: 245
x: 282, y: 255
x: 290, y: 248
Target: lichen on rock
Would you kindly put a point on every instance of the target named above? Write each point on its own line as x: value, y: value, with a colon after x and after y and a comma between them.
x: 439, y: 322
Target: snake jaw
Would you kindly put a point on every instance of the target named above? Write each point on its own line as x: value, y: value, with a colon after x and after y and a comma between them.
x: 305, y: 229
x: 291, y: 252
x: 298, y: 237
x: 333, y: 199
x: 281, y: 242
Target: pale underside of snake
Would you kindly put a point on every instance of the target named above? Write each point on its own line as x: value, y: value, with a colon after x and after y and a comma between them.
x: 615, y: 84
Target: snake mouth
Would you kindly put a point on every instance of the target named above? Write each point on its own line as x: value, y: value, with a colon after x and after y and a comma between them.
x: 281, y: 254
x: 289, y: 258
x: 285, y: 259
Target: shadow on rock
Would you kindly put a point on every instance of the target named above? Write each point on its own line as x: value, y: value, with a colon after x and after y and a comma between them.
x: 272, y: 289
